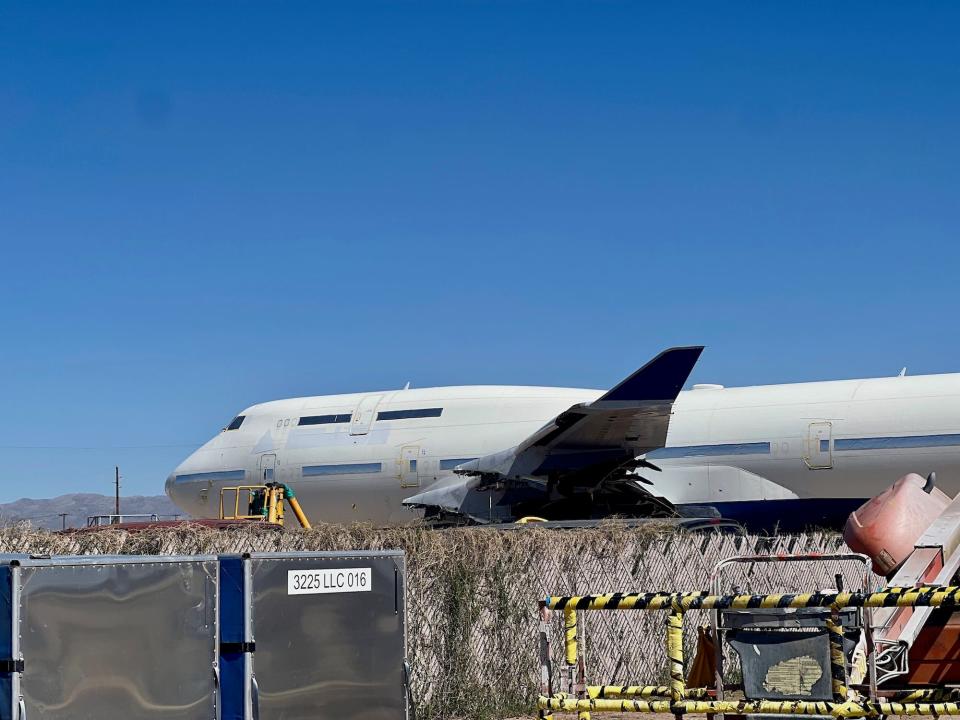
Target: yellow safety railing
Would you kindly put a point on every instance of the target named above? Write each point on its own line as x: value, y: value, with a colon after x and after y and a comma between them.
x: 677, y: 700
x: 247, y: 491
x: 272, y: 495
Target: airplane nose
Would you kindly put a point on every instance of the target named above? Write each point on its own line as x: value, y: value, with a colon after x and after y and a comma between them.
x: 194, y: 485
x: 169, y: 485
x: 185, y: 493
x: 175, y: 490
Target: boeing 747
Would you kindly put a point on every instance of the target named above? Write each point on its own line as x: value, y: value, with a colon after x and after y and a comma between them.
x: 793, y: 455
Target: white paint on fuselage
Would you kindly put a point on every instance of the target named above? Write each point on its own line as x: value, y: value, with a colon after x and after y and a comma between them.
x: 788, y: 416
x: 478, y: 420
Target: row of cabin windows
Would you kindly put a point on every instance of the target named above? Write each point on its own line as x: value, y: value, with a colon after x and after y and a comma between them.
x: 324, y: 419
x: 383, y: 415
x: 346, y: 417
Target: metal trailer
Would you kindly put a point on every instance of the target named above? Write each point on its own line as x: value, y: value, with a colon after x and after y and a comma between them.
x: 108, y: 637
x: 313, y: 636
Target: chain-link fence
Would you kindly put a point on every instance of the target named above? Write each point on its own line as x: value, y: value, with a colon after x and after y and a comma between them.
x: 473, y: 621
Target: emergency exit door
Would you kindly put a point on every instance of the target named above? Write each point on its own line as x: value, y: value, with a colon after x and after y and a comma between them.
x: 364, y: 415
x: 819, y: 446
x: 409, y: 472
x: 268, y: 465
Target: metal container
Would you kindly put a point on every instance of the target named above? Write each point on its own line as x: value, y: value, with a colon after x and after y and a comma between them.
x: 785, y: 652
x: 103, y: 638
x: 323, y: 636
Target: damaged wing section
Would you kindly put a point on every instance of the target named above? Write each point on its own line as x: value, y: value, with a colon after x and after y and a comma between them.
x: 582, y: 464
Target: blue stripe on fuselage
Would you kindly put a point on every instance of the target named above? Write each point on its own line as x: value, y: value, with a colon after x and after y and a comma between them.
x: 342, y: 469
x: 839, y: 444
x: 753, y: 448
x: 893, y: 442
x: 213, y: 475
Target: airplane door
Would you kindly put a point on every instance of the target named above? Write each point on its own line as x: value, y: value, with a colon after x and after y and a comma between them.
x: 364, y: 414
x: 268, y: 465
x: 819, y: 446
x: 409, y: 459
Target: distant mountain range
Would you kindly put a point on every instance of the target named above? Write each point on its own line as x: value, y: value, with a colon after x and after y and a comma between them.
x: 45, y: 513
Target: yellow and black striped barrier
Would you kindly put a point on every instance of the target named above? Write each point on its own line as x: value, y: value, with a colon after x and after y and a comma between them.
x: 849, y: 709
x: 933, y: 695
x: 890, y: 597
x: 640, y: 691
x: 677, y: 700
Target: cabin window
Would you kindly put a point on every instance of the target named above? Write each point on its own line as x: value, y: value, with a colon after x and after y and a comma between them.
x: 404, y: 414
x: 325, y: 419
x: 236, y: 422
x: 344, y: 469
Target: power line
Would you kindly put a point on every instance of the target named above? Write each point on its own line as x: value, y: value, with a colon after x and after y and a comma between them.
x: 97, y: 447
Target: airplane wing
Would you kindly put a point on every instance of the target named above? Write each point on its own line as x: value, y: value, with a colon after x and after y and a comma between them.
x: 589, y: 449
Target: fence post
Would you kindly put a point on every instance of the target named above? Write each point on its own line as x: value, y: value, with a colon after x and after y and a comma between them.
x: 570, y: 645
x: 546, y: 665
x: 678, y: 687
x: 575, y: 668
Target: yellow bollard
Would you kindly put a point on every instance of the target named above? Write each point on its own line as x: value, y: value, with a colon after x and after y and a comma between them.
x: 675, y: 654
x: 570, y: 635
x: 838, y: 665
x: 572, y: 654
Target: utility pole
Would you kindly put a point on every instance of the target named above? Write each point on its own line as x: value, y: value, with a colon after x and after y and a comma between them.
x: 63, y: 517
x: 116, y: 483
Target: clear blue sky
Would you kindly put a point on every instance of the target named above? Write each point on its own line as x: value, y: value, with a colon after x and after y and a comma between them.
x: 207, y: 205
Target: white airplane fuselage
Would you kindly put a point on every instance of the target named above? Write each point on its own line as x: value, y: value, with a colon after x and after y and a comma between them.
x: 776, y: 452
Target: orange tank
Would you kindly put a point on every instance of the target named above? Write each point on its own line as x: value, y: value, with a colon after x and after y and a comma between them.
x: 887, y: 527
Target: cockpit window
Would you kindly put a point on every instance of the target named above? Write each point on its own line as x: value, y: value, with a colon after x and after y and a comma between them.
x: 236, y: 422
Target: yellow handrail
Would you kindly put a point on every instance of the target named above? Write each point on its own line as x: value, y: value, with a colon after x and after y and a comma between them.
x: 236, y: 490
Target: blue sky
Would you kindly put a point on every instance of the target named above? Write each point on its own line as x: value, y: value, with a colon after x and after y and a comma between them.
x: 206, y: 205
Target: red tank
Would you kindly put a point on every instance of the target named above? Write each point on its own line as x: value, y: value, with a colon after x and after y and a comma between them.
x: 887, y: 527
